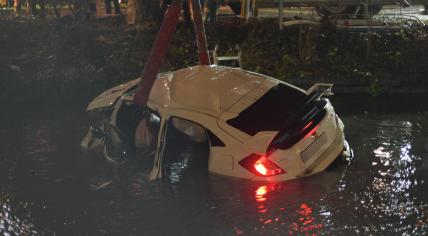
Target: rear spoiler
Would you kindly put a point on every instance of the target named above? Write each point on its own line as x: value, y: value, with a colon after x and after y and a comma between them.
x: 322, y: 87
x: 289, y: 133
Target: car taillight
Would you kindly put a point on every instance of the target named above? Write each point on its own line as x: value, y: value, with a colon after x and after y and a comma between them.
x: 260, y: 165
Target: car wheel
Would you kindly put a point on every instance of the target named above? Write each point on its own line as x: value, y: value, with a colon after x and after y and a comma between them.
x: 328, y: 10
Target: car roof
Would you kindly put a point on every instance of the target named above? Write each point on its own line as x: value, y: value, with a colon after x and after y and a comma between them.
x: 207, y: 89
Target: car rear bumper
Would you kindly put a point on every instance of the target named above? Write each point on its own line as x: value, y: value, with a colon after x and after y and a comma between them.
x: 313, y: 154
x: 326, y: 157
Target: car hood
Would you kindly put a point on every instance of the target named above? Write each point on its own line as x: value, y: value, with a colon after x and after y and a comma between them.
x: 109, y: 97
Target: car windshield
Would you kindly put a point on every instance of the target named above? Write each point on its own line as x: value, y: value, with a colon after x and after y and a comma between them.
x: 269, y: 112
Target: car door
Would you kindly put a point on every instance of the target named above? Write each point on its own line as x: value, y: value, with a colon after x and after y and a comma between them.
x: 160, y: 148
x: 183, y: 149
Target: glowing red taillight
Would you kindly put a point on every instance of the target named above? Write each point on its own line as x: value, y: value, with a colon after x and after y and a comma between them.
x: 261, y: 165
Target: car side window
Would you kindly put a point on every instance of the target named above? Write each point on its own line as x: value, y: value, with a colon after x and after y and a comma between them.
x: 195, y: 132
x: 186, y: 151
x: 269, y: 111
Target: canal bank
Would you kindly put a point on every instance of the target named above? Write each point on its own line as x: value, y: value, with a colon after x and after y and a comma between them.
x: 58, y: 63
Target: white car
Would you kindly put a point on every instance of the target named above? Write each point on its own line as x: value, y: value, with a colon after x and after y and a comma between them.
x: 257, y: 127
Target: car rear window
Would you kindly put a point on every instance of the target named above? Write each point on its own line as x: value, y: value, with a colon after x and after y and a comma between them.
x: 269, y: 112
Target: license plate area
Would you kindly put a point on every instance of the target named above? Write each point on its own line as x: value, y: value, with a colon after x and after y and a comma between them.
x: 313, y: 148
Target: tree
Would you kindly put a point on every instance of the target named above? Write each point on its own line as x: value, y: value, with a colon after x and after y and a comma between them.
x: 146, y: 10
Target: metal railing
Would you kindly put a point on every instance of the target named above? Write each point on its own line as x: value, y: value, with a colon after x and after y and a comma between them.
x: 382, y: 22
x: 6, y: 12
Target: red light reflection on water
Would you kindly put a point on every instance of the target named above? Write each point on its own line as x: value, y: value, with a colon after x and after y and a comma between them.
x: 260, y: 197
x: 260, y: 194
x: 238, y: 231
x: 304, y: 222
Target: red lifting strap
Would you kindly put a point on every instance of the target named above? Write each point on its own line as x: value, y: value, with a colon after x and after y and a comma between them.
x: 159, y: 50
x: 162, y: 41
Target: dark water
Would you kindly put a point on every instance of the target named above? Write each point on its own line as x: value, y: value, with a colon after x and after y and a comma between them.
x: 49, y: 186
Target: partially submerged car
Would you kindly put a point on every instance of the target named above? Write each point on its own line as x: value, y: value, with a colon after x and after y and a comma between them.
x: 257, y: 127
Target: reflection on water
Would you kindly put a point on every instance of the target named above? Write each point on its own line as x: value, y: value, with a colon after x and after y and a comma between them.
x: 305, y: 223
x: 49, y: 186
x: 391, y: 192
x: 11, y: 224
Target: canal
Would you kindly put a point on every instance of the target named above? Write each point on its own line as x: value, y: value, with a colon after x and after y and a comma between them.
x: 48, y: 185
